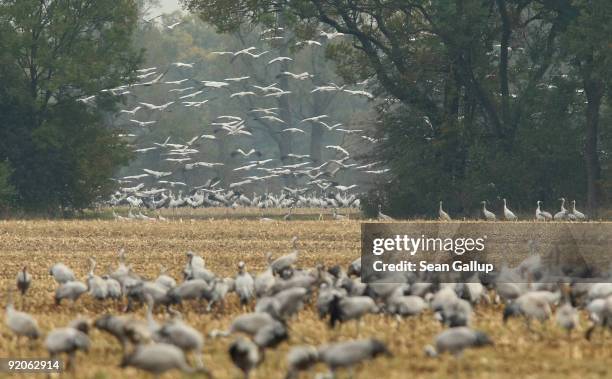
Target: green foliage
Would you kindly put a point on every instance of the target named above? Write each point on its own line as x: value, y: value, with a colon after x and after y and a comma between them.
x: 53, y: 53
x: 7, y: 191
x: 478, y: 99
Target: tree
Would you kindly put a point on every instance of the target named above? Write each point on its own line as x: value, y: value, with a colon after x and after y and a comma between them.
x: 7, y: 191
x: 476, y: 98
x: 587, y: 46
x: 56, y: 58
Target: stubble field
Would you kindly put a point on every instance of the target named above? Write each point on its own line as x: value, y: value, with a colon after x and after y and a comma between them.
x: 223, y: 243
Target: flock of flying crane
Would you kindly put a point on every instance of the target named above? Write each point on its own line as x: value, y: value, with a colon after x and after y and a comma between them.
x: 188, y: 93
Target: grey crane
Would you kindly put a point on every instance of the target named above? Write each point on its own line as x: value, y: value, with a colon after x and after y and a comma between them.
x: 20, y: 323
x: 248, y: 323
x: 473, y: 291
x: 443, y: 216
x: 164, y: 279
x: 342, y: 309
x: 70, y: 290
x: 284, y: 304
x: 336, y: 216
x: 508, y: 214
x: 98, y: 288
x: 455, y: 340
x: 600, y: 315
x: 531, y: 305
x: 126, y: 278
x: 567, y: 317
x: 287, y: 217
x: 349, y: 353
x: 301, y: 358
x: 24, y: 279
x: 445, y: 295
x: 488, y: 215
x: 117, y: 327
x: 381, y: 290
x: 599, y: 291
x: 245, y: 355
x: 140, y: 290
x: 326, y: 296
x: 143, y: 332
x: 562, y: 214
x: 244, y: 284
x: 122, y: 269
x: 542, y: 215
x: 284, y: 264
x: 196, y: 289
x: 271, y: 335
x: 579, y: 215
x: 220, y: 289
x: 354, y: 268
x: 184, y: 337
x: 405, y: 306
x: 157, y: 358
x: 265, y: 280
x: 61, y: 273
x: 456, y: 312
x: 265, y: 330
x: 195, y: 268
x: 68, y: 340
x: 298, y: 279
x: 113, y: 287
x: 381, y: 216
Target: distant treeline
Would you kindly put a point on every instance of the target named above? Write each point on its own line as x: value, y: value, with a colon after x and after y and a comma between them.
x: 477, y: 99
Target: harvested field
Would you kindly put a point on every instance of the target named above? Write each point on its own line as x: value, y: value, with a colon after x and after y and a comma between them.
x: 223, y: 243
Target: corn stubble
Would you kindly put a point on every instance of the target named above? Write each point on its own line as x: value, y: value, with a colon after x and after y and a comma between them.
x: 223, y: 243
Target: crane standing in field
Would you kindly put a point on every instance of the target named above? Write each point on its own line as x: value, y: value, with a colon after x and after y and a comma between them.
x: 20, y: 323
x: 244, y: 285
x: 562, y: 214
x: 489, y: 216
x: 443, y: 216
x: 542, y: 215
x: 508, y: 214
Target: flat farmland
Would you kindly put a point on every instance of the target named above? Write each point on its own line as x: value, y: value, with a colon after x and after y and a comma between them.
x: 223, y: 242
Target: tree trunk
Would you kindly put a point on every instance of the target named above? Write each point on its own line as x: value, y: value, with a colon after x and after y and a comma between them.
x: 503, y: 62
x: 593, y: 88
x: 320, y: 104
x: 316, y: 143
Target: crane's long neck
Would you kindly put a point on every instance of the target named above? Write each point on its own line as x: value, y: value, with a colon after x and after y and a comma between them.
x: 9, y: 302
x: 538, y: 208
x: 563, y: 205
x: 150, y: 321
x: 440, y: 206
